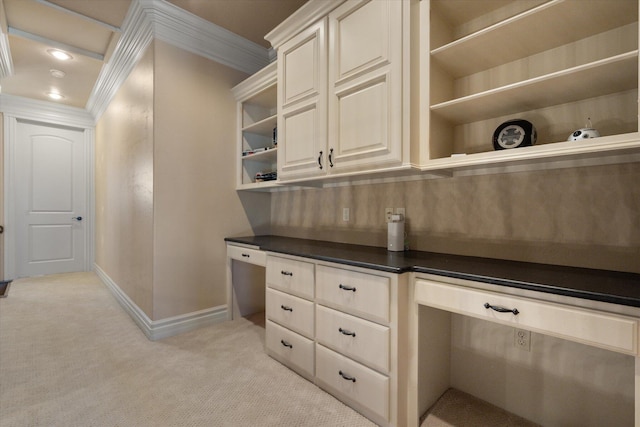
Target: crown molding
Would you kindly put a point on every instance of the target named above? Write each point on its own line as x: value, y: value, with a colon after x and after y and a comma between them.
x: 43, y: 111
x: 149, y: 19
x: 6, y: 64
x: 137, y: 34
x: 311, y: 11
x: 194, y: 34
x: 257, y: 82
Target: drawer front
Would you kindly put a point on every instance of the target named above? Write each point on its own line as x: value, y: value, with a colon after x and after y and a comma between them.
x: 610, y: 331
x: 353, y: 381
x: 354, y: 292
x: 359, y: 339
x: 291, y: 276
x: 251, y: 256
x: 289, y: 311
x: 290, y: 348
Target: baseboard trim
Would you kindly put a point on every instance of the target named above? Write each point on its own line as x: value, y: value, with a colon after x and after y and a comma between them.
x: 164, y: 328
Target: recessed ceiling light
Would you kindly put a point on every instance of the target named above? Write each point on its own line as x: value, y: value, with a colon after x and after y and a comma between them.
x: 57, y: 73
x: 55, y: 95
x: 59, y: 54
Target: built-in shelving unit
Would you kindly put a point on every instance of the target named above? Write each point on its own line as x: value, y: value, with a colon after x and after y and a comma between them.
x: 554, y: 63
x: 257, y: 138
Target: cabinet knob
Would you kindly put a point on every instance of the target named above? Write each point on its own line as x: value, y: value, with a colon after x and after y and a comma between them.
x: 347, y: 288
x: 501, y: 309
x: 346, y: 332
x: 286, y: 344
x: 347, y: 377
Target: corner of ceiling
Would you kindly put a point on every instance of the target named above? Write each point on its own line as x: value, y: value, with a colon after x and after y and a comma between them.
x: 149, y: 19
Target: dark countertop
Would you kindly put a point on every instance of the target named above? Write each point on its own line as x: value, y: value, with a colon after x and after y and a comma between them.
x: 599, y: 285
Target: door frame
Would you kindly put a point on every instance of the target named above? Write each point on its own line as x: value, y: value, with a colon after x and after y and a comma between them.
x: 17, y: 109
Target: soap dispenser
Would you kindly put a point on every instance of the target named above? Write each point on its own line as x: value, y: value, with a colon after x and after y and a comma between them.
x: 395, y: 233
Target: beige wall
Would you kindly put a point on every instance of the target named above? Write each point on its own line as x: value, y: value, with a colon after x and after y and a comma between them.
x: 584, y: 216
x: 165, y: 183
x: 124, y: 186
x: 2, y: 195
x: 196, y: 205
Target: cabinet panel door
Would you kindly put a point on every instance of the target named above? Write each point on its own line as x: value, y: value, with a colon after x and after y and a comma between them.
x: 302, y: 98
x: 365, y: 85
x: 360, y: 37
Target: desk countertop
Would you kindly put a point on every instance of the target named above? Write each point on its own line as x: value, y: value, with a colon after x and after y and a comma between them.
x: 599, y: 285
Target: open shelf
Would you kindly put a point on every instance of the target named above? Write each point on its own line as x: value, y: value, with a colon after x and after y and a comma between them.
x: 554, y: 63
x: 549, y: 25
x: 257, y: 120
x: 610, y: 75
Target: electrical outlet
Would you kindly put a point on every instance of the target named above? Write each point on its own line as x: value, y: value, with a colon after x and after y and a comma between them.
x: 345, y: 214
x: 522, y: 339
x: 387, y: 213
x: 400, y: 211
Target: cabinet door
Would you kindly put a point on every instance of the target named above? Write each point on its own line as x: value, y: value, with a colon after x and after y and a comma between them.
x: 302, y: 99
x: 365, y: 85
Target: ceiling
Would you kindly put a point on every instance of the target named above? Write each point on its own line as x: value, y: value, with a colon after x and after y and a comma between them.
x: 89, y: 31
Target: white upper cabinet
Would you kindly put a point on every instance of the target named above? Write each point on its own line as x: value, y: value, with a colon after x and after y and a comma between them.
x: 340, y: 88
x: 302, y: 103
x: 365, y: 86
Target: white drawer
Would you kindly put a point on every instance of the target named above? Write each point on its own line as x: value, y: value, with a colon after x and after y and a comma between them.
x: 610, y: 331
x: 291, y: 349
x: 353, y: 292
x: 352, y: 381
x: 292, y: 276
x: 359, y: 339
x: 289, y: 311
x: 251, y: 256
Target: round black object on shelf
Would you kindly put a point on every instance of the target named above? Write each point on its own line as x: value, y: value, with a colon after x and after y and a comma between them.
x: 514, y: 133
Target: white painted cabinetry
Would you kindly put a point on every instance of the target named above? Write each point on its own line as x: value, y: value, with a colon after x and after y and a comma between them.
x: 555, y: 63
x: 340, y: 327
x: 340, y: 89
x: 257, y: 120
x: 289, y: 310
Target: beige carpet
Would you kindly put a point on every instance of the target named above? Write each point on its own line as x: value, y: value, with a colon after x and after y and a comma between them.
x: 70, y: 356
x: 456, y: 408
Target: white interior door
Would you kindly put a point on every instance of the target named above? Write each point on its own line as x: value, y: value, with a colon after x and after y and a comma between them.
x: 50, y: 200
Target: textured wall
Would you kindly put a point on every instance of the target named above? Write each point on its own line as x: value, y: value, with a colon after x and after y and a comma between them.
x: 124, y: 186
x: 587, y: 216
x: 196, y: 205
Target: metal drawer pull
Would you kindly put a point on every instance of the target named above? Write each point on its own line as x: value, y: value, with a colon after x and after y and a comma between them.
x: 320, y: 161
x: 286, y: 273
x: 246, y: 255
x: 347, y: 377
x: 286, y: 308
x: 286, y: 344
x: 346, y: 332
x: 501, y: 309
x: 347, y: 288
x: 331, y: 157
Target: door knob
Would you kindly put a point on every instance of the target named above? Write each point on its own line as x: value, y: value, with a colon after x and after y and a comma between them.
x: 77, y: 218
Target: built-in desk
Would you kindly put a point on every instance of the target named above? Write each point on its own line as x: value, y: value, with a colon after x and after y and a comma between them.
x: 595, y: 308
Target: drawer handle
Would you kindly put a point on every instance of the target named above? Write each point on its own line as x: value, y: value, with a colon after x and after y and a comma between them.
x: 246, y: 255
x: 347, y: 288
x: 286, y: 308
x: 285, y: 343
x: 346, y: 332
x: 501, y: 309
x: 347, y: 377
x: 286, y: 273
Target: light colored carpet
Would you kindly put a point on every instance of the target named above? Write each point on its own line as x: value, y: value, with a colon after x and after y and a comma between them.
x: 456, y: 408
x: 70, y: 356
